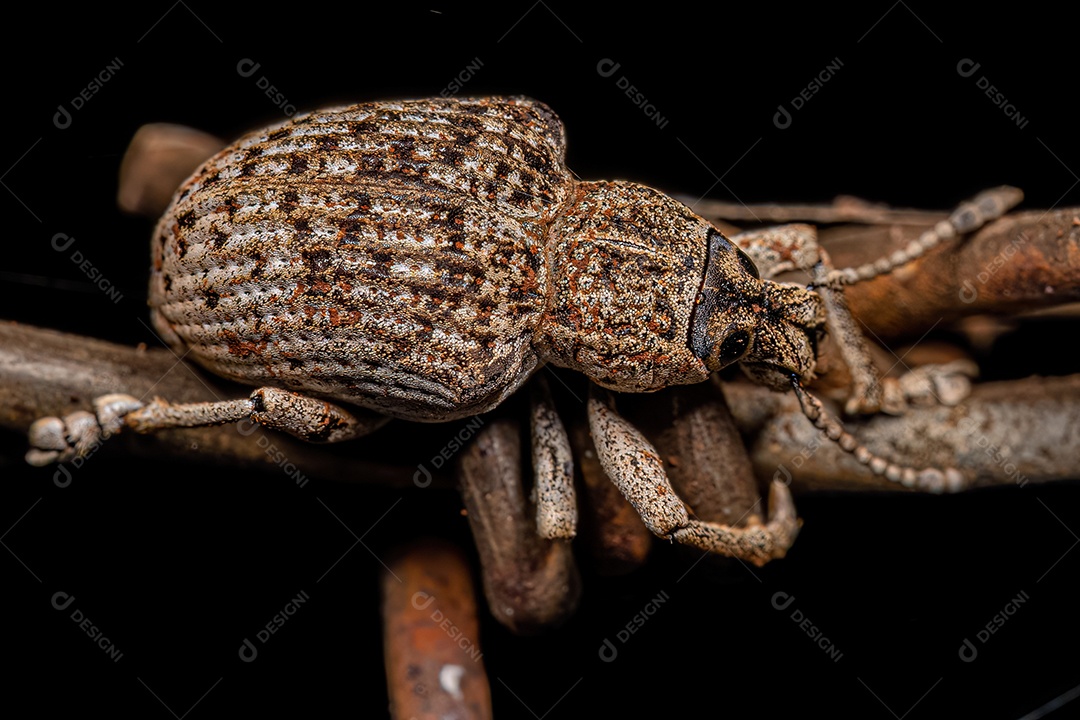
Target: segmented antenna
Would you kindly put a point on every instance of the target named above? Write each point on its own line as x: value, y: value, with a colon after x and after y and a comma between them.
x: 985, y: 207
x: 929, y: 479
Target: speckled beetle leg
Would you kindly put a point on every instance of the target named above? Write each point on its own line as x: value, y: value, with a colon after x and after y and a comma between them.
x: 757, y: 543
x: 636, y: 469
x: 61, y: 440
x: 947, y: 383
x: 795, y: 247
x: 299, y: 415
x: 553, y: 467
x: 530, y: 582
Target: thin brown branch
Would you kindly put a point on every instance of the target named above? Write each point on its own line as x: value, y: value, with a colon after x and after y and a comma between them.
x: 1005, y: 434
x: 1021, y: 262
x: 434, y: 666
x: 44, y: 372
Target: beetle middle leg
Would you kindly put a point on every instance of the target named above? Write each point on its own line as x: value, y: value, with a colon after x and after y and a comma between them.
x: 55, y: 439
x: 553, y: 467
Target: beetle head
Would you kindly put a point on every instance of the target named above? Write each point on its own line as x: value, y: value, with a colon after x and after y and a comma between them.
x: 771, y: 329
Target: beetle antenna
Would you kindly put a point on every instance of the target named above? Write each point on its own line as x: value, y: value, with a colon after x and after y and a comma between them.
x: 985, y: 207
x: 929, y: 479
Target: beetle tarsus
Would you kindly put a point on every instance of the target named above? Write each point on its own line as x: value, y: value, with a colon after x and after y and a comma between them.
x: 78, y: 434
x: 754, y: 543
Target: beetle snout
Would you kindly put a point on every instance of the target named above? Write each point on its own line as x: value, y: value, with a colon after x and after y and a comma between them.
x: 781, y: 353
x: 786, y: 341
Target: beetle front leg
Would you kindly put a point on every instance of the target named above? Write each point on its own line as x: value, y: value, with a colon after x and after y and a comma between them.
x: 635, y: 467
x: 945, y: 383
x: 55, y: 439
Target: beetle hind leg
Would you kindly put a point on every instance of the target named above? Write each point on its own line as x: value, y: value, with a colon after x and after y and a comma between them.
x: 55, y: 439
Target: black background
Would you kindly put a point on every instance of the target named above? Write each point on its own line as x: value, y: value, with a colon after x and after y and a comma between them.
x: 179, y: 564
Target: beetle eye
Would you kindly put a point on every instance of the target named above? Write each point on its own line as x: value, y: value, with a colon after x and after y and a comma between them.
x: 747, y: 263
x: 734, y: 347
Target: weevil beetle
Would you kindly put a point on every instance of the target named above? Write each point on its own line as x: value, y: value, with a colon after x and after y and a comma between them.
x: 422, y: 259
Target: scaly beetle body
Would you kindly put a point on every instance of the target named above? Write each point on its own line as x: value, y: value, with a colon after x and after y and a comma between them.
x: 423, y: 258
